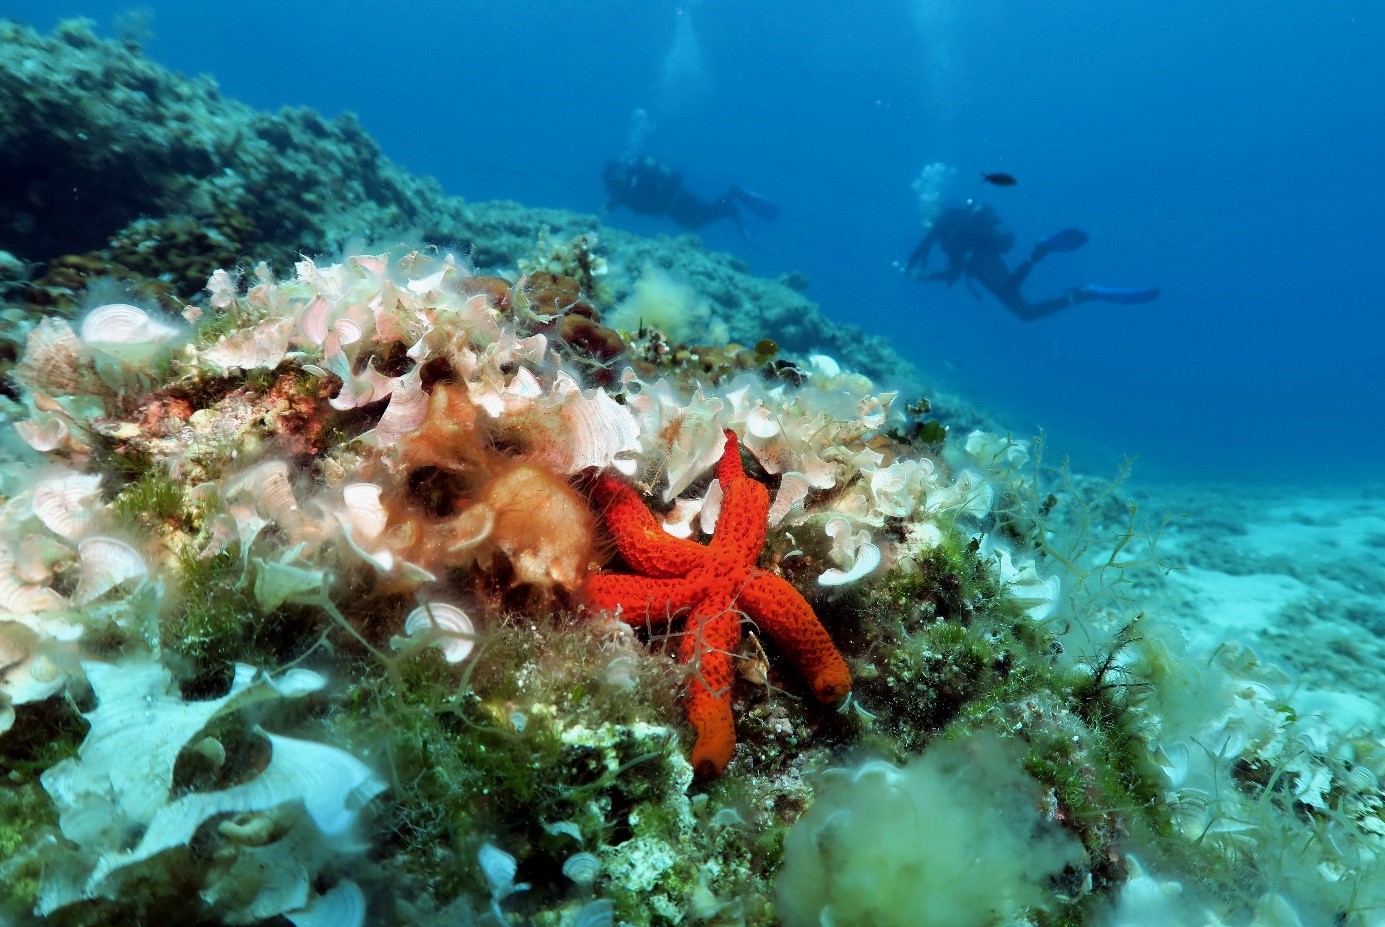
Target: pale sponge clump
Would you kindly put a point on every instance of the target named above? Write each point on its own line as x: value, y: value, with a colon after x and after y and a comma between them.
x: 674, y: 308
x: 953, y: 839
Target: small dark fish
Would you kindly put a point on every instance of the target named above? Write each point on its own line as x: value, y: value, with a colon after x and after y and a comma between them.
x: 999, y: 179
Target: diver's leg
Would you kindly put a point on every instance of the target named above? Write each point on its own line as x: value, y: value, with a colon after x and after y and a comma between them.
x: 693, y: 213
x: 1080, y: 294
x: 1118, y: 294
x: 726, y: 209
x: 1065, y: 240
x: 990, y: 271
x: 1028, y: 311
x: 987, y: 269
x: 1021, y: 271
x: 762, y: 206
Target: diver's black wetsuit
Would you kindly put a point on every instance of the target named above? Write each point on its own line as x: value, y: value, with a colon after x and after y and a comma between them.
x: 990, y: 271
x: 974, y: 238
x: 651, y: 188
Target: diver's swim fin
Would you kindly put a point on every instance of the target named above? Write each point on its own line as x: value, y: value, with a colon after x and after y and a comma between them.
x: 1119, y: 294
x: 1066, y: 240
x: 760, y: 205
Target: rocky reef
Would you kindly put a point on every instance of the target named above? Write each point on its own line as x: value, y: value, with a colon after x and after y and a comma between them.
x: 172, y: 180
x: 305, y: 569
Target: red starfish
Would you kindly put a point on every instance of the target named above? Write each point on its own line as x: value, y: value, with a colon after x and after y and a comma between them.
x: 713, y: 586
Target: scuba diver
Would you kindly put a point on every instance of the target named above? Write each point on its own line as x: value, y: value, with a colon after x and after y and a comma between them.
x: 973, y: 238
x: 651, y: 188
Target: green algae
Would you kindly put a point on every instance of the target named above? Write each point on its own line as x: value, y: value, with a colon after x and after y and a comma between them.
x: 213, y: 623
x: 44, y: 734
x: 151, y: 502
x: 525, y: 735
x: 940, y: 651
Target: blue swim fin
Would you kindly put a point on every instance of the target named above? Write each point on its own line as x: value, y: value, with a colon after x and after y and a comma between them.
x: 1120, y: 294
x: 1066, y: 240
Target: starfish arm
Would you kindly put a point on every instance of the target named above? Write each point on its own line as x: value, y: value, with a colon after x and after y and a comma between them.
x: 670, y: 576
x: 641, y: 540
x: 740, y: 531
x: 708, y: 647
x: 641, y: 600
x: 783, y: 614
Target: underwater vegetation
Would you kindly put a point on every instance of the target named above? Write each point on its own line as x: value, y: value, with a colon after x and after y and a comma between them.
x: 408, y: 586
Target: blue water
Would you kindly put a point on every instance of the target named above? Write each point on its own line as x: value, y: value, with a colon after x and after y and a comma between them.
x: 1230, y: 153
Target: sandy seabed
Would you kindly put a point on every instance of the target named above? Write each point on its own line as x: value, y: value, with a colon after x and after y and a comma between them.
x: 1296, y: 574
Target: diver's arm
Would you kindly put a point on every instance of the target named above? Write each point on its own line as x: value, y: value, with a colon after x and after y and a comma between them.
x: 956, y: 268
x: 949, y: 274
x: 919, y: 259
